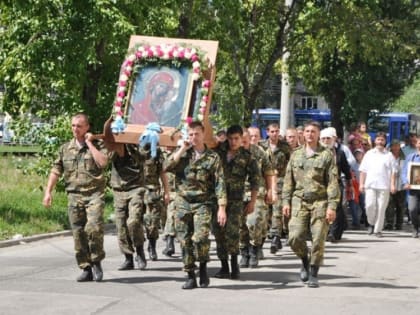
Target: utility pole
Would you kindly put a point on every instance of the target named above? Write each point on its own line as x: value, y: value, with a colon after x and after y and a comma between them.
x: 285, y: 106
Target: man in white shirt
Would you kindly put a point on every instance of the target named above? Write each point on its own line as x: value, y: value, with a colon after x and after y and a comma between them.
x: 377, y: 180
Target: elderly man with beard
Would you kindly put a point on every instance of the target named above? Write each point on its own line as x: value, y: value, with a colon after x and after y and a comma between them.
x: 328, y: 140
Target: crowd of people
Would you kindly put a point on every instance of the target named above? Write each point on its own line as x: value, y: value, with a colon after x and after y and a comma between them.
x: 243, y: 191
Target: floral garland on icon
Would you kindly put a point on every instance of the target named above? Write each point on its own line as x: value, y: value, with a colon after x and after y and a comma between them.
x: 175, y: 55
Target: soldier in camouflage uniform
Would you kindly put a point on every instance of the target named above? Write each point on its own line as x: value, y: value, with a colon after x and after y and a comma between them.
x: 310, y: 197
x: 169, y: 230
x: 279, y: 154
x: 127, y: 182
x: 252, y: 225
x: 238, y: 164
x: 201, y: 188
x: 153, y: 171
x: 82, y: 161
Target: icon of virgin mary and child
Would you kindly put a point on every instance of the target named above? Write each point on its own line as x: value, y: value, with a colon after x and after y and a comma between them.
x: 156, y: 98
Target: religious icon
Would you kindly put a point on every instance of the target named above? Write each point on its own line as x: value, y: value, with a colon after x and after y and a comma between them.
x: 160, y: 95
x: 414, y: 175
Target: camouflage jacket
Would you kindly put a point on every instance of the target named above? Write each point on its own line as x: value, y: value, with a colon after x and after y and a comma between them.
x: 80, y: 171
x: 279, y: 158
x: 312, y: 178
x: 237, y: 170
x: 198, y: 180
x: 127, y: 170
x: 265, y: 167
x: 153, y: 167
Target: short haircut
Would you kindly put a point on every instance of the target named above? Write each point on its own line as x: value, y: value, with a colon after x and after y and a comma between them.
x: 221, y: 133
x: 196, y: 124
x: 234, y: 129
x: 313, y: 123
x: 82, y: 115
x: 380, y: 134
x: 273, y: 125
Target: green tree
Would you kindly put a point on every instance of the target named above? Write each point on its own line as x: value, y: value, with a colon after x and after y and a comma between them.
x: 410, y: 100
x: 61, y: 56
x: 254, y: 34
x: 358, y: 54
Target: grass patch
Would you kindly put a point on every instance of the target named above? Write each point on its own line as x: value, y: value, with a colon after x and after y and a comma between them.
x: 19, y: 149
x: 21, y: 209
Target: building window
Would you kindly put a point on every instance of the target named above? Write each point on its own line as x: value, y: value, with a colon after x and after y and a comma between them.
x: 309, y: 102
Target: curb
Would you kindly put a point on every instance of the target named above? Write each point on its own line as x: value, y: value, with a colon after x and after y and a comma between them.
x: 38, y: 237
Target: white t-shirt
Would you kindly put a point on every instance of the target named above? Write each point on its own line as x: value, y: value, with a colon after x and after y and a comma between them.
x: 379, y: 167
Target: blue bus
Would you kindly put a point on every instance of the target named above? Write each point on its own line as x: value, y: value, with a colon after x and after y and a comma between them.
x: 267, y: 116
x: 395, y: 125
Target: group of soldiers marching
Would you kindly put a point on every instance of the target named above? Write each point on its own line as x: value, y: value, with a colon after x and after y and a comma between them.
x: 233, y: 191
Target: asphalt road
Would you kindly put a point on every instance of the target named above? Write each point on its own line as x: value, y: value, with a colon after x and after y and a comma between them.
x: 361, y: 275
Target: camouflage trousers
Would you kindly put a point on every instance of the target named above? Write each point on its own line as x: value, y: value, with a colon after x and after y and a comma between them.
x: 154, y: 207
x: 227, y: 237
x: 308, y: 216
x: 193, y: 230
x: 252, y: 226
x: 129, y: 209
x: 170, y: 220
x: 275, y: 218
x: 86, y: 213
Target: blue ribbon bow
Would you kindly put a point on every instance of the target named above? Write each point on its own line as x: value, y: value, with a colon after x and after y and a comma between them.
x: 151, y: 136
x: 118, y: 126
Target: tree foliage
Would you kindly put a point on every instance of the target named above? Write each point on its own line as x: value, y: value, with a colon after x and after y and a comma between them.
x: 410, y: 100
x: 358, y: 54
x: 61, y: 56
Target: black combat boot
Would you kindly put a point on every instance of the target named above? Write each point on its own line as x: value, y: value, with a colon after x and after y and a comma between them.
x: 223, y: 273
x: 169, y: 250
x: 86, y: 275
x: 253, y: 256
x: 275, y: 244
x: 234, y: 267
x: 128, y: 264
x: 152, y: 250
x: 304, y: 270
x: 191, y: 282
x: 98, y: 273
x: 141, y: 257
x: 313, y: 277
x: 244, y: 262
x: 204, y: 277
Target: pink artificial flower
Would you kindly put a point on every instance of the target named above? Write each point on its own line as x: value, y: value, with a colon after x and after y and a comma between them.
x: 181, y: 54
x: 205, y: 98
x: 138, y: 54
x: 118, y: 104
x: 194, y: 57
x: 121, y: 94
x: 196, y: 70
x: 149, y: 53
x: 202, y: 110
x: 129, y: 63
x: 171, y: 54
x: 123, y: 83
x: 160, y: 53
x: 120, y: 113
x: 189, y: 120
x: 206, y: 83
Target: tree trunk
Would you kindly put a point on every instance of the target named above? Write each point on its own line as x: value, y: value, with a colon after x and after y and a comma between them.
x: 336, y: 100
